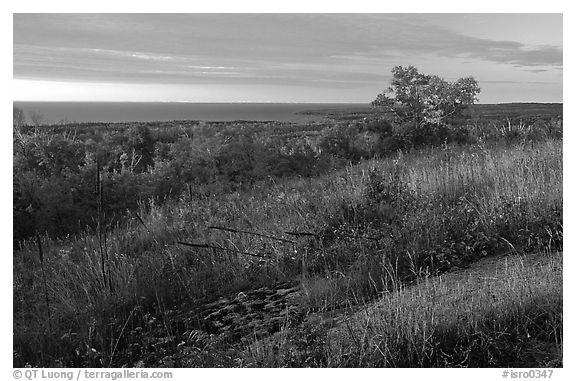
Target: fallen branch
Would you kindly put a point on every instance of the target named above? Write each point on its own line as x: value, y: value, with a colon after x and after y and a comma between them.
x: 303, y: 234
x: 206, y: 246
x: 251, y: 233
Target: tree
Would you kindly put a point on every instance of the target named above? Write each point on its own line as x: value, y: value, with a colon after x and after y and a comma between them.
x: 140, y: 145
x: 425, y: 99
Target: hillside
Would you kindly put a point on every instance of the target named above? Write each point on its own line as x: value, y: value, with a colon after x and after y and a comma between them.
x: 229, y: 244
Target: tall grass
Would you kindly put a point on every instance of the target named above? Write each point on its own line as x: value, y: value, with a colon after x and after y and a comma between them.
x: 376, y: 225
x: 508, y: 313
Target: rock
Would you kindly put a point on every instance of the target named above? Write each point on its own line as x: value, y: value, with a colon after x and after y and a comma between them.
x: 241, y: 296
x: 252, y: 314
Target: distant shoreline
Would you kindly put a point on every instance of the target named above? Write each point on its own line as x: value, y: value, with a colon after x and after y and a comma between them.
x: 108, y: 112
x: 125, y: 112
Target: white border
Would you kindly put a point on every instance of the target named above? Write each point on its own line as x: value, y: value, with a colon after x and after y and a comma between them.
x: 296, y: 6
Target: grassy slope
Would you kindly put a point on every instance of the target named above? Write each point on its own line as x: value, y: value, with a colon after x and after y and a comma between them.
x: 500, y: 312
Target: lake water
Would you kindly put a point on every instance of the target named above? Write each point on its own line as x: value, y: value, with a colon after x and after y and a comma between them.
x: 54, y: 112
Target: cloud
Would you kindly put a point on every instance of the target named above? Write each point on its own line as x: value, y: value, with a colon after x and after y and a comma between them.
x: 93, y: 64
x: 315, y: 50
x: 519, y: 82
x: 526, y: 56
x: 537, y: 70
x: 130, y: 54
x: 403, y: 37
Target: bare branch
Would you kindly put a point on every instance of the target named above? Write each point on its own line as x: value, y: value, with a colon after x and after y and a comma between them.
x: 251, y: 233
x: 206, y: 246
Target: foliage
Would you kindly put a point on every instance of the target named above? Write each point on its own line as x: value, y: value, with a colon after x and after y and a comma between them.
x: 55, y: 166
x: 419, y: 98
x: 140, y: 145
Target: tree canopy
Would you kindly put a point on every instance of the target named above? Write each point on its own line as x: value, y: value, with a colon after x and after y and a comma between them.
x: 421, y: 98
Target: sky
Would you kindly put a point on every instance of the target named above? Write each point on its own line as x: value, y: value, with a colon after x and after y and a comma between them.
x: 280, y: 57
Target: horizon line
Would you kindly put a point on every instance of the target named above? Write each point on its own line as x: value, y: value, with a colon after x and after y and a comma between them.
x: 260, y: 102
x: 222, y: 102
